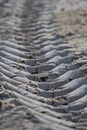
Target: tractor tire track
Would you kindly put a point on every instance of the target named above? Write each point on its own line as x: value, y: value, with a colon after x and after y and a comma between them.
x: 43, y: 80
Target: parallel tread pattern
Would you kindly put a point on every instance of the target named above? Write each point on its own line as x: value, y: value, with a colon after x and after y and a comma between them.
x: 40, y: 75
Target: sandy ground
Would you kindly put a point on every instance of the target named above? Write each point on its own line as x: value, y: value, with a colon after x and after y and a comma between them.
x: 21, y: 105
x: 72, y: 21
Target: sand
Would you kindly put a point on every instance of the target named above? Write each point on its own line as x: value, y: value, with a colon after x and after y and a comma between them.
x: 43, y: 65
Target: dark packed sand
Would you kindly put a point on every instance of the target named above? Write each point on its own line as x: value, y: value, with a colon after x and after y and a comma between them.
x: 43, y: 64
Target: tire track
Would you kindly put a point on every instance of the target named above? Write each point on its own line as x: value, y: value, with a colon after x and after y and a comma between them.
x: 42, y: 79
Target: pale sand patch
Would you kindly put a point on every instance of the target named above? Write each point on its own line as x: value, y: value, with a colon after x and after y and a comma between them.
x: 71, y: 17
